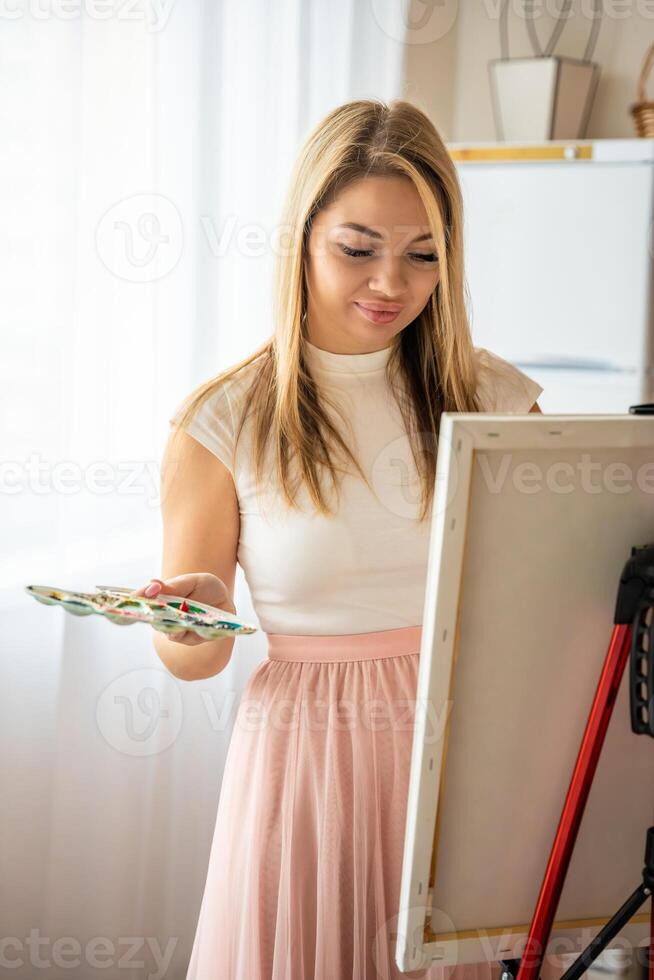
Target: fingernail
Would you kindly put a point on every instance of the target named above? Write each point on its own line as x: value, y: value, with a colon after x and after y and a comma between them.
x: 152, y: 589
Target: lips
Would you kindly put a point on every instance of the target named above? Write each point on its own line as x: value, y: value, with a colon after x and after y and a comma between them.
x: 381, y: 307
x: 382, y: 315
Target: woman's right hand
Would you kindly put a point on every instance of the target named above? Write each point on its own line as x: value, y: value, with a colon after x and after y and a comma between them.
x: 196, y: 586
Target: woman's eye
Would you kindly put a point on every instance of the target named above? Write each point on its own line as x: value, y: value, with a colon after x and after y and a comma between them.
x: 356, y: 252
x: 420, y: 256
x: 426, y: 257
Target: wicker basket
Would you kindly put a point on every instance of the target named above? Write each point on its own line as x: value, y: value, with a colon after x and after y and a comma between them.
x: 642, y: 110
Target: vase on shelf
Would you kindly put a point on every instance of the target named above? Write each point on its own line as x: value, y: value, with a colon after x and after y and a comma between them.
x: 545, y: 97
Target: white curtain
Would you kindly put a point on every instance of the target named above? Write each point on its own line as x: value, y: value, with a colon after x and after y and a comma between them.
x: 146, y: 149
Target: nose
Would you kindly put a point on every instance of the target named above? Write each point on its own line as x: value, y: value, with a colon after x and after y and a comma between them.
x: 389, y: 279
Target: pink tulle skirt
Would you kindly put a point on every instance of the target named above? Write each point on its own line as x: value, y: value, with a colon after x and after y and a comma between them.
x: 304, y: 873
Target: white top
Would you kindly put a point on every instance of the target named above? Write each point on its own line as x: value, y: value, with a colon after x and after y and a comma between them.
x: 364, y: 569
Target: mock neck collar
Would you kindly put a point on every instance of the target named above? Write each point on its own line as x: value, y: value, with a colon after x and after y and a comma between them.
x: 325, y: 360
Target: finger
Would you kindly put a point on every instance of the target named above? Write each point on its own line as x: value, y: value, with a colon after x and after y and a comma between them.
x: 153, y: 588
x: 160, y: 587
x: 181, y: 585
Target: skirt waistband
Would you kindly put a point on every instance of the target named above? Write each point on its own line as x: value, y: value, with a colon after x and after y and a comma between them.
x: 341, y: 647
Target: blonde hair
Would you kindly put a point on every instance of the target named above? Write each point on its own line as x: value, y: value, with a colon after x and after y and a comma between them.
x: 431, y: 366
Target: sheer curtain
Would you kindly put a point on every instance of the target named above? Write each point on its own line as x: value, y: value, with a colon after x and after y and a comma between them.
x: 146, y: 152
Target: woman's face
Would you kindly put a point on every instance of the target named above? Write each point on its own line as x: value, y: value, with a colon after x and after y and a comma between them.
x: 389, y: 268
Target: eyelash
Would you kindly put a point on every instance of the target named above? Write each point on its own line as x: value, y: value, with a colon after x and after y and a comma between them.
x: 428, y: 259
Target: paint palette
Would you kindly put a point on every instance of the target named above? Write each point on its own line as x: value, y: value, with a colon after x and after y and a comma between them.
x: 166, y: 613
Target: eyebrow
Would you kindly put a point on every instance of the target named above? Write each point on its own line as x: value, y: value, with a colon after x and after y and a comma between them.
x: 375, y: 234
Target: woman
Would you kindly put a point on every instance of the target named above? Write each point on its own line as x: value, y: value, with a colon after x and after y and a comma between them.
x: 312, y: 464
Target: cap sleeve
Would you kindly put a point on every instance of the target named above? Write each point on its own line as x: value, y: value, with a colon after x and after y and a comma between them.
x: 502, y: 387
x: 212, y: 425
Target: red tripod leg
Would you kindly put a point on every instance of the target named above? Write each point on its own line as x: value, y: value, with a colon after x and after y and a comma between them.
x: 575, y: 802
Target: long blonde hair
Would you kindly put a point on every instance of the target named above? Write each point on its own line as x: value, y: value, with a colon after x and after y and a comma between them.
x: 431, y: 366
